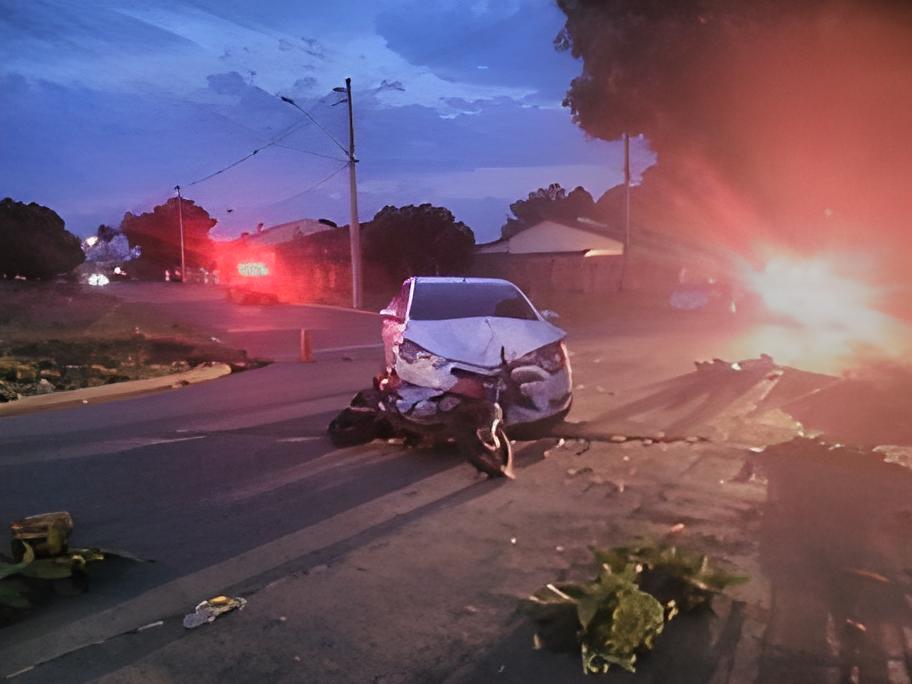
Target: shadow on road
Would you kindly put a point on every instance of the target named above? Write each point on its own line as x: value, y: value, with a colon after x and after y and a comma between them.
x: 835, y: 543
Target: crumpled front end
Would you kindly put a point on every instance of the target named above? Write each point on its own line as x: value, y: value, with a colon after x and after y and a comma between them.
x: 530, y: 388
x: 540, y: 386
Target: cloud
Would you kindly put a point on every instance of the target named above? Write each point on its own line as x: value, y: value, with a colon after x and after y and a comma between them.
x: 231, y: 83
x: 129, y: 100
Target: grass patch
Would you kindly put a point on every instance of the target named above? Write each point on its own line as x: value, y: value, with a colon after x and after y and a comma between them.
x: 61, y: 336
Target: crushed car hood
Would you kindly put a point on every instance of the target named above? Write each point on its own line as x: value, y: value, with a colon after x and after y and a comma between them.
x: 478, y: 341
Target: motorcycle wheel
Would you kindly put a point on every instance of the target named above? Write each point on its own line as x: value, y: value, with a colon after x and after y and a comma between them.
x: 495, y: 460
x: 353, y: 427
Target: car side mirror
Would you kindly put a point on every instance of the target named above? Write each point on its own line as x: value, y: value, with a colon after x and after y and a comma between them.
x: 550, y: 315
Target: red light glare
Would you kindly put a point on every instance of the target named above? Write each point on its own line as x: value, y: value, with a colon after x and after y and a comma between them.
x: 253, y: 269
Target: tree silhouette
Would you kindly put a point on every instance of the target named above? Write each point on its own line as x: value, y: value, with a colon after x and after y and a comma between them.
x: 157, y: 233
x: 552, y: 203
x: 34, y: 242
x: 422, y: 240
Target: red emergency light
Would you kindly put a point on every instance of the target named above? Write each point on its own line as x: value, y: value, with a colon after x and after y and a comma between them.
x: 253, y: 269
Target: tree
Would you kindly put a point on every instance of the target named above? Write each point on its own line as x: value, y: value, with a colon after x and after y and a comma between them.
x: 34, y: 242
x: 763, y: 115
x: 422, y: 240
x: 106, y: 233
x: 157, y: 234
x: 551, y: 203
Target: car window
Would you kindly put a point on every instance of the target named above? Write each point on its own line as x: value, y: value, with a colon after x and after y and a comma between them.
x: 442, y: 301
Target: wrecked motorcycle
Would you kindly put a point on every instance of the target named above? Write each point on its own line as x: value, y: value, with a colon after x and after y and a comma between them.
x: 468, y: 414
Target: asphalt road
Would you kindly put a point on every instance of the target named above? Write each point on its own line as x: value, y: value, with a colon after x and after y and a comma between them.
x: 267, y: 331
x: 193, y: 476
x: 228, y: 481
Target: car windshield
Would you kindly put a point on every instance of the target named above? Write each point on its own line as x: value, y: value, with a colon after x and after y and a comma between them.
x: 442, y: 301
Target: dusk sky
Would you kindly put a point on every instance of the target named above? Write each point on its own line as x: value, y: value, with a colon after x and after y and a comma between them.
x: 108, y: 104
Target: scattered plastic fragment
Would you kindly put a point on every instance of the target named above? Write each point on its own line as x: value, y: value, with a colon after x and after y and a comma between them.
x: 617, y: 439
x: 857, y: 625
x: 151, y: 625
x: 868, y: 574
x: 676, y: 528
x: 207, y: 611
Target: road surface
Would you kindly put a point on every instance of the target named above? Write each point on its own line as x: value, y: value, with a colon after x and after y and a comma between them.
x: 232, y: 485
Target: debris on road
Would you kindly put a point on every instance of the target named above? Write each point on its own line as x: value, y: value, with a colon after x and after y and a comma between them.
x: 764, y: 363
x: 620, y: 614
x: 207, y: 611
x: 42, y: 559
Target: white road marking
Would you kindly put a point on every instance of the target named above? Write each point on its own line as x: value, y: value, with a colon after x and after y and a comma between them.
x: 353, y: 347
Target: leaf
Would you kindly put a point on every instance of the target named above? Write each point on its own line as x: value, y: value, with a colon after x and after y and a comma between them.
x: 50, y: 568
x: 7, y: 569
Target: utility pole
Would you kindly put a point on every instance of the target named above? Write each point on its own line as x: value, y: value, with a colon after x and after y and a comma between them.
x: 180, y: 221
x: 354, y: 226
x: 626, y: 263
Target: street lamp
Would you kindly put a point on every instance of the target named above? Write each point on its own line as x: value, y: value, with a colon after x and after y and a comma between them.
x: 354, y: 226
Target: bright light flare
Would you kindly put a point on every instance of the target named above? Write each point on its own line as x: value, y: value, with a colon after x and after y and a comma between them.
x: 98, y: 280
x: 811, y: 291
x: 834, y: 317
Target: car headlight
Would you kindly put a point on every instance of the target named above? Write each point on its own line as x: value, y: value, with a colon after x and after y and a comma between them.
x: 552, y: 357
x: 411, y: 353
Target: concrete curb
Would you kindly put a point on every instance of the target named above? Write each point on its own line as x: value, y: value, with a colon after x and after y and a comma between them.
x: 336, y: 307
x: 116, y: 390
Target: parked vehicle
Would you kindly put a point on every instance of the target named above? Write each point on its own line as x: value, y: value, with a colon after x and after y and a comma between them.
x: 469, y: 360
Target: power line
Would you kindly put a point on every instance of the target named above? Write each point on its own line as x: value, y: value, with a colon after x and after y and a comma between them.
x: 316, y: 154
x: 315, y: 122
x: 231, y: 165
x: 310, y: 188
x: 274, y: 141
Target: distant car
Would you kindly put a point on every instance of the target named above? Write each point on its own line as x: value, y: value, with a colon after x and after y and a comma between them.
x: 445, y: 334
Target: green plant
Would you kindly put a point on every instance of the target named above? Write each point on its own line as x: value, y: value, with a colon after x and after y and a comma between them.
x: 12, y: 590
x: 624, y: 609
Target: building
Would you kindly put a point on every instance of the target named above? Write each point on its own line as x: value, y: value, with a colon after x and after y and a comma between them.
x: 253, y: 266
x: 555, y: 256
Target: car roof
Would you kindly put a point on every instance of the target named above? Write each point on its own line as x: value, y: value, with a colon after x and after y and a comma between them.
x: 451, y: 279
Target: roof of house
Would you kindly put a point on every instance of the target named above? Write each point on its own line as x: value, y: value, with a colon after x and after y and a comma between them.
x: 579, y: 236
x: 286, y: 232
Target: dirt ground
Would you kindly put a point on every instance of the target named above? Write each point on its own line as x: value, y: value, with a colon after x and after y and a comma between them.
x: 56, y: 336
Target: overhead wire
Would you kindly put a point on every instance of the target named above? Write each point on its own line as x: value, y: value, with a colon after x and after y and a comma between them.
x: 274, y: 142
x: 315, y: 122
x: 310, y: 188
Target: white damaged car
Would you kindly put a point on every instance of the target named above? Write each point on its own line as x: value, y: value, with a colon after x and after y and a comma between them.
x: 468, y: 335
x: 468, y: 360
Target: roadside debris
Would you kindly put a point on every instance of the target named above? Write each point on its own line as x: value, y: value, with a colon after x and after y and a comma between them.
x: 42, y: 559
x: 618, y: 615
x: 764, y: 363
x: 207, y: 611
